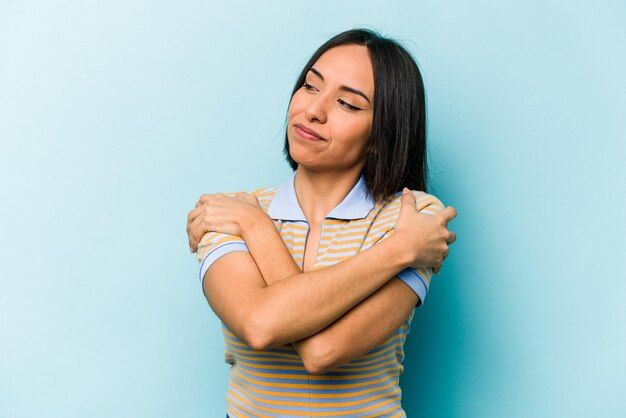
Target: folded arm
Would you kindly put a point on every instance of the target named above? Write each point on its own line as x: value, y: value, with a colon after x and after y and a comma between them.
x: 331, y: 316
x: 269, y: 315
x: 351, y: 335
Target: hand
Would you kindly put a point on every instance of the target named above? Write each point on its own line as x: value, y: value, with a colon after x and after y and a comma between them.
x: 223, y: 214
x: 425, y: 236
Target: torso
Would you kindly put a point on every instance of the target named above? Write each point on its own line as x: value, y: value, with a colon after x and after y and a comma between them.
x: 286, y: 387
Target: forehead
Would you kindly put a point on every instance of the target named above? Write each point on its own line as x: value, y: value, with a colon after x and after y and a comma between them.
x: 349, y: 65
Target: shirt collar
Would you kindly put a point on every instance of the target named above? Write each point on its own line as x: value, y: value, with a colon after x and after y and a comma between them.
x: 285, y: 206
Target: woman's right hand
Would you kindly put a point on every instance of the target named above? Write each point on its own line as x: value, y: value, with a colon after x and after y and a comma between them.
x: 425, y: 237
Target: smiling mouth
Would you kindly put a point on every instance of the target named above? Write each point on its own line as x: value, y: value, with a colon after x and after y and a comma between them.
x: 306, y: 133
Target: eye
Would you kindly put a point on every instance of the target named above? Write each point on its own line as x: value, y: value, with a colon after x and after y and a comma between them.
x: 308, y: 87
x: 348, y: 105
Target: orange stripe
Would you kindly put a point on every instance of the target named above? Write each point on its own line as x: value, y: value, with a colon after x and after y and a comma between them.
x: 236, y: 371
x: 394, y: 408
x: 272, y: 401
x: 344, y: 404
x: 265, y: 193
x: 257, y: 365
x: 252, y: 412
x: 306, y: 377
x: 212, y: 240
x: 292, y: 241
x: 305, y: 413
x: 297, y: 226
x: 354, y: 250
x: 389, y: 216
x: 277, y: 359
x: 322, y: 395
x: 356, y: 241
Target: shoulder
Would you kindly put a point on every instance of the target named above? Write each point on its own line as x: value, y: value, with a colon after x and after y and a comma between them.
x: 265, y: 196
x: 427, y: 203
x: 424, y: 202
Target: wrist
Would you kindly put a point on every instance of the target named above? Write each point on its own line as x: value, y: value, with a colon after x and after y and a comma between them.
x: 255, y: 224
x: 399, y: 250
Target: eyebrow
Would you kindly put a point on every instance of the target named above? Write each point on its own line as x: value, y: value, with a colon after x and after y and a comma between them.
x: 344, y: 88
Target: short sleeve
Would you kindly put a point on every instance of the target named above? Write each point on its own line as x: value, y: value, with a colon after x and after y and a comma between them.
x: 419, y: 279
x: 214, y: 245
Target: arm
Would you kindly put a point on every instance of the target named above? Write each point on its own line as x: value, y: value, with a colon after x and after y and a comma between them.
x: 276, y: 263
x: 352, y: 335
x: 266, y: 316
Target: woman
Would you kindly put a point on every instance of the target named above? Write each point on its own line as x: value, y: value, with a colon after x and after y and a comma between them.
x: 316, y: 280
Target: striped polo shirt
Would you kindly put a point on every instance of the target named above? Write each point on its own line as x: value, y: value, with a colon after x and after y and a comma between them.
x: 274, y: 383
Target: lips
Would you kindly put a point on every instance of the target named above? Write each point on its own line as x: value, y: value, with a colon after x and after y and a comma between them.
x: 307, y: 133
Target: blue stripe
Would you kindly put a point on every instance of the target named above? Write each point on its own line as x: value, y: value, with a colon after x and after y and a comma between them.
x: 218, y: 252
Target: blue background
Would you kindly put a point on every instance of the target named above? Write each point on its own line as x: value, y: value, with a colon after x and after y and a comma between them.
x: 115, y: 116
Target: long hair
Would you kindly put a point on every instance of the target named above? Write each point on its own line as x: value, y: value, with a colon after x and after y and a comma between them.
x: 396, y: 151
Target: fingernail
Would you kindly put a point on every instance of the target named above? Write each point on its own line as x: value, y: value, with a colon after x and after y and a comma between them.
x: 405, y: 190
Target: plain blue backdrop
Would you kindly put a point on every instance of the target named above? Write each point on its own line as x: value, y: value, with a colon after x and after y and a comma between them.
x: 115, y: 116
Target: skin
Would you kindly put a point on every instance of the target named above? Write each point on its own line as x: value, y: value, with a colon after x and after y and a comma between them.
x: 262, y: 296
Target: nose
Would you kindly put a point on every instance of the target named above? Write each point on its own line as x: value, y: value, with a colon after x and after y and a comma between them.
x: 316, y: 110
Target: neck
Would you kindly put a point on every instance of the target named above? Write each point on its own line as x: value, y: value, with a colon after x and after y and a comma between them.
x: 320, y: 192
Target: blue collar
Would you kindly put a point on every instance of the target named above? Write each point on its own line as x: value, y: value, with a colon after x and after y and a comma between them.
x: 356, y: 205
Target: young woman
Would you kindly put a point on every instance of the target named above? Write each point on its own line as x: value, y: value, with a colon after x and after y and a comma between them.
x: 316, y: 280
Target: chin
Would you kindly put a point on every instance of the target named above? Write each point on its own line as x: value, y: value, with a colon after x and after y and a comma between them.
x: 300, y: 155
x: 305, y: 163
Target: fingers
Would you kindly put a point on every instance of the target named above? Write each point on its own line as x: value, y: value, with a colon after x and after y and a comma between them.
x: 204, y: 199
x: 196, y: 227
x: 191, y: 218
x: 193, y: 215
x: 407, y: 198
x: 208, y: 199
x: 194, y: 220
x: 439, y: 265
x: 221, y: 198
x: 451, y: 238
x: 192, y: 227
x: 196, y: 230
x: 448, y: 214
x: 250, y: 198
x: 247, y: 197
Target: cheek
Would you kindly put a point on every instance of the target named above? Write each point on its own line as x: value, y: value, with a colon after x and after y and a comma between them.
x: 296, y: 104
x: 357, y: 136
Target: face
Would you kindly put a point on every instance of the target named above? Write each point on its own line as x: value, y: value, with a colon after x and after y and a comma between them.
x: 330, y: 116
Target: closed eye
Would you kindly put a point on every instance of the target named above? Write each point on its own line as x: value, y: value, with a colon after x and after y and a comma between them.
x: 348, y: 105
x: 308, y: 87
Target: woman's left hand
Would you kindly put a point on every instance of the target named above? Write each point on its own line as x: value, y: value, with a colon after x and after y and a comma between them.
x: 223, y: 214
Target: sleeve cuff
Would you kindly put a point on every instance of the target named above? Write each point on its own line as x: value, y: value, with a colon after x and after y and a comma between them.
x: 416, y: 282
x: 218, y: 252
